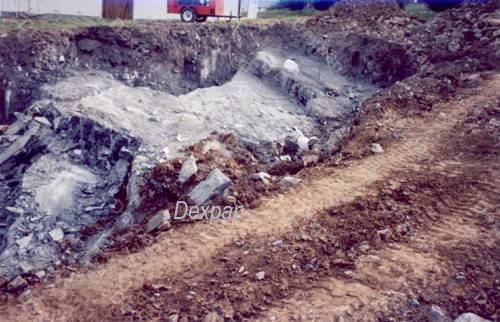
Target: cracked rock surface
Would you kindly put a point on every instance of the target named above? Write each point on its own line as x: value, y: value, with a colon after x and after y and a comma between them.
x: 80, y: 153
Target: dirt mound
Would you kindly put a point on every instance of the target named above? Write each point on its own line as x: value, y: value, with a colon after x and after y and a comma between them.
x: 382, y: 44
x: 366, y: 17
x: 468, y: 34
x: 366, y: 42
x: 443, y: 57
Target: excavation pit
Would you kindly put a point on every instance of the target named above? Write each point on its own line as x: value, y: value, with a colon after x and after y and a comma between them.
x: 95, y: 135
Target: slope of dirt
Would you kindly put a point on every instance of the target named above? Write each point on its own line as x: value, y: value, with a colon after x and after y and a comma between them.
x: 381, y: 236
x: 365, y: 18
x: 185, y: 267
x: 395, y: 46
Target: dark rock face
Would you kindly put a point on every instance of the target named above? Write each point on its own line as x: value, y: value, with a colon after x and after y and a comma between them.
x: 57, y: 172
x: 380, y: 61
x: 3, y: 109
x: 37, y: 159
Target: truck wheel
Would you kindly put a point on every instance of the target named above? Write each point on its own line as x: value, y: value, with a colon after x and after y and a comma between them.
x: 201, y: 18
x: 188, y: 15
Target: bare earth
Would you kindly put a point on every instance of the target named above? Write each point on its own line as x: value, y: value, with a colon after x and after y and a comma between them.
x: 203, y: 268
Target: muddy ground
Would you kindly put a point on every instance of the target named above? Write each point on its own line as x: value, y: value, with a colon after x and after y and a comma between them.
x: 390, y: 213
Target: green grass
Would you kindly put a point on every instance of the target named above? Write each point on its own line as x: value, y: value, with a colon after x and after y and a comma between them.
x: 286, y: 14
x: 419, y: 11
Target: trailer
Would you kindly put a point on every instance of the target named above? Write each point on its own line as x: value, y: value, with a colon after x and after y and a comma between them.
x: 200, y: 10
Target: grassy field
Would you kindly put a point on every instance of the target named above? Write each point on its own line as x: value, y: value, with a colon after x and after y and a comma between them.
x: 286, y: 14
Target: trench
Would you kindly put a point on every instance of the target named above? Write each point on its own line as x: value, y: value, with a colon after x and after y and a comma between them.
x: 92, y: 133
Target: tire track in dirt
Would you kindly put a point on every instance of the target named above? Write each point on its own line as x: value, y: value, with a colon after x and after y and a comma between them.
x: 389, y: 278
x: 223, y: 287
x: 356, y: 300
x: 190, y: 246
x: 177, y: 251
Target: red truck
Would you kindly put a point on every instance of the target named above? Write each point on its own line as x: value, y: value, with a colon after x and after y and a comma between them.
x: 200, y: 10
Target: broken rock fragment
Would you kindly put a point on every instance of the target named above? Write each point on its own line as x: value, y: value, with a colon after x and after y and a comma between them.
x: 215, y: 183
x: 160, y: 221
x: 42, y: 121
x: 189, y: 168
x: 291, y: 66
x: 173, y: 318
x: 260, y: 176
x: 88, y: 45
x: 25, y: 267
x: 24, y: 241
x: 376, y: 148
x: 302, y: 140
x: 437, y: 314
x: 303, y: 143
x: 230, y: 200
x: 56, y: 234
x: 335, y: 138
x: 290, y: 146
x: 290, y: 181
x: 17, y: 284
x: 470, y: 317
x: 16, y: 151
x: 213, y: 317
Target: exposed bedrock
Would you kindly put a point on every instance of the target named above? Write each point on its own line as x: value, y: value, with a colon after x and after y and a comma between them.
x: 79, y: 154
x: 59, y: 172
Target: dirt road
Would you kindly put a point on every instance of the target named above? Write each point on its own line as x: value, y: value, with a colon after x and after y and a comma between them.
x: 355, y: 242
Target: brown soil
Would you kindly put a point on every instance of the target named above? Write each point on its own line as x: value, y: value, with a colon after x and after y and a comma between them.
x: 428, y: 188
x: 365, y: 237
